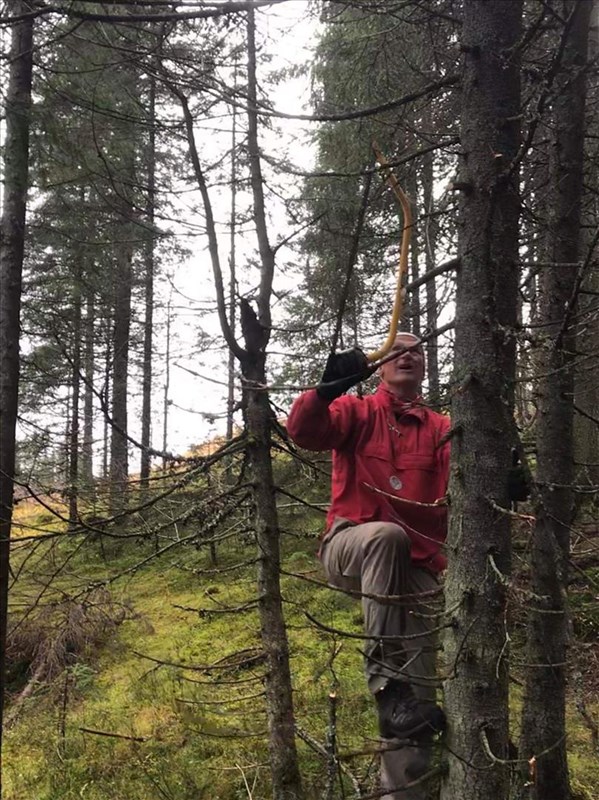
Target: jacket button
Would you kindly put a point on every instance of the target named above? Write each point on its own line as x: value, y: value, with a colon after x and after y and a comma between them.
x: 395, y: 482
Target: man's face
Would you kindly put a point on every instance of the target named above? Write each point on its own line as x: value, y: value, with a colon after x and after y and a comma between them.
x: 403, y: 375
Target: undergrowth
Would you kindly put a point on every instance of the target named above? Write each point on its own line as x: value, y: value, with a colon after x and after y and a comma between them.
x: 152, y: 688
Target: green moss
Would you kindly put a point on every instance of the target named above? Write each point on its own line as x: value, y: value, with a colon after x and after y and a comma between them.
x: 199, y: 731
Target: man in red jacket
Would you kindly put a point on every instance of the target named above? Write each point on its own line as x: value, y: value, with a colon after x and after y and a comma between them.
x: 385, y: 531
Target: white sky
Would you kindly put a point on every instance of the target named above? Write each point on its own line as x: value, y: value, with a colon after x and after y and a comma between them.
x: 290, y: 35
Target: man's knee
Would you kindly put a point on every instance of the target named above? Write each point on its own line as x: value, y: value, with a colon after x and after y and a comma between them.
x: 389, y: 537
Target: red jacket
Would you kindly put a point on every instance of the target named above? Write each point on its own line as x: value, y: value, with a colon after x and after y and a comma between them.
x: 379, y: 442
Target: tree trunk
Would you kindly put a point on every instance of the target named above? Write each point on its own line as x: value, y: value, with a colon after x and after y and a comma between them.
x: 543, y: 723
x: 106, y: 392
x: 586, y: 390
x: 414, y: 319
x: 119, y: 458
x: 16, y: 174
x: 166, y: 389
x: 476, y: 657
x: 87, y: 447
x: 286, y: 781
x: 73, y: 449
x: 430, y: 242
x: 232, y: 272
x: 146, y: 411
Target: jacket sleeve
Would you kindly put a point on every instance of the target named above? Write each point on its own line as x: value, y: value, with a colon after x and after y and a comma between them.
x: 318, y: 424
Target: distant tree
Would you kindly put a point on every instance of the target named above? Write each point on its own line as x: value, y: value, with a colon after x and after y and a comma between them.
x: 75, y: 388
x: 148, y: 283
x: 586, y: 390
x: 257, y: 412
x: 256, y: 331
x: 88, y: 364
x: 12, y: 242
x: 364, y: 60
x: 95, y: 170
x: 543, y: 723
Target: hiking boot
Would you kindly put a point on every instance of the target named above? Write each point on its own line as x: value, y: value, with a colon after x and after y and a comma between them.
x: 402, y: 715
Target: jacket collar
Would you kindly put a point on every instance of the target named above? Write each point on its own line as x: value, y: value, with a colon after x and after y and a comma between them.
x: 387, y: 399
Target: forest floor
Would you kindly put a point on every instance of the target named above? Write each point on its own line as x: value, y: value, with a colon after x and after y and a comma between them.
x: 140, y: 681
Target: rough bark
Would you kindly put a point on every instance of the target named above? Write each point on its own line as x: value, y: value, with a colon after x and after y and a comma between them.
x: 12, y: 241
x: 543, y: 723
x: 476, y: 688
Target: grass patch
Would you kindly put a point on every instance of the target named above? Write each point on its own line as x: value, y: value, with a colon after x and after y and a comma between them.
x: 168, y: 703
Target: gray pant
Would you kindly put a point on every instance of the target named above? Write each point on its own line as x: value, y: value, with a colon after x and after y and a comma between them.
x: 374, y: 559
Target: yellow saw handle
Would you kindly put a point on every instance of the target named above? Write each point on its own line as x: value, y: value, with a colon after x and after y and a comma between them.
x: 403, y: 200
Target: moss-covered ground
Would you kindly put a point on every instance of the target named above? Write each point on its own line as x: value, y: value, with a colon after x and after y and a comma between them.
x: 167, y: 701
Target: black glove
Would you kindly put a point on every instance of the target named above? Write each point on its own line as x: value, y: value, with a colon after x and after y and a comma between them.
x: 518, y: 485
x: 342, y: 371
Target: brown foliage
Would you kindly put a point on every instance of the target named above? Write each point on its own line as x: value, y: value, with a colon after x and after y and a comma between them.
x: 44, y: 644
